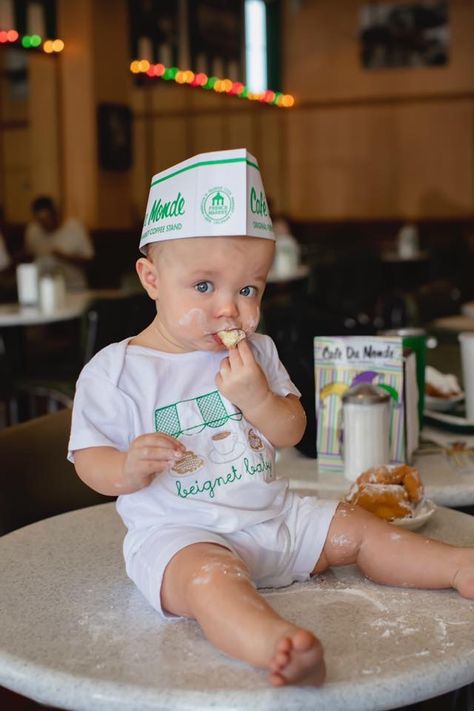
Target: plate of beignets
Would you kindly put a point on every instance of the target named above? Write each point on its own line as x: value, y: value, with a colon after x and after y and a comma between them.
x: 393, y: 492
x: 422, y: 512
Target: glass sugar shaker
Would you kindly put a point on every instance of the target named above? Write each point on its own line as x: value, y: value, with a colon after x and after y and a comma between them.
x: 366, y: 420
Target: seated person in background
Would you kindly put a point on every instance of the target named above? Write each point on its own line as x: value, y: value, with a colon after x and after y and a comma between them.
x: 58, y: 245
x: 5, y: 259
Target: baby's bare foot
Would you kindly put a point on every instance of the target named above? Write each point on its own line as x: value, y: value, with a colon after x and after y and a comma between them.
x: 298, y: 659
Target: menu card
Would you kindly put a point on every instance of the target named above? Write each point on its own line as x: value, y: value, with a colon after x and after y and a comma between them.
x: 343, y: 361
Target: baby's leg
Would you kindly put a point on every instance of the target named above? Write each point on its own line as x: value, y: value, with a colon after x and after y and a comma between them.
x: 211, y: 584
x: 394, y: 556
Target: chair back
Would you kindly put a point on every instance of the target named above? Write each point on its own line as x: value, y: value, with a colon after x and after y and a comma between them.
x: 38, y: 481
x: 109, y: 320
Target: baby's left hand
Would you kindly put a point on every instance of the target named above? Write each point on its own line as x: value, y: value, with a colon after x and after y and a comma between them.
x: 241, y: 380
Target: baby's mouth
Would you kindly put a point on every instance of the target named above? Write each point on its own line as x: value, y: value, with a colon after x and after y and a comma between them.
x: 230, y: 337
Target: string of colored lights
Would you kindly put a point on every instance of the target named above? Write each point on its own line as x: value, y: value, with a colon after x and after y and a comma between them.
x: 50, y: 46
x: 180, y: 76
x: 203, y: 81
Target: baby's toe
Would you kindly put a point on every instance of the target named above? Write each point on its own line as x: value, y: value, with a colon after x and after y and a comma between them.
x: 284, y: 645
x: 303, y: 640
x: 279, y: 661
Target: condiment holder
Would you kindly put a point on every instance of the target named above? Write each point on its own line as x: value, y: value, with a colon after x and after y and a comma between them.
x: 52, y: 292
x: 366, y: 419
x: 27, y: 283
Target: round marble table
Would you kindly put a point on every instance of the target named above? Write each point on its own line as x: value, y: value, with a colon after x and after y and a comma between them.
x: 12, y: 315
x: 75, y: 633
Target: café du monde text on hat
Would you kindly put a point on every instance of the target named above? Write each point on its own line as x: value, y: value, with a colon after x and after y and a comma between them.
x: 212, y: 194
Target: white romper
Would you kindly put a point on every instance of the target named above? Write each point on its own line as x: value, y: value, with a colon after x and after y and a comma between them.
x: 224, y: 490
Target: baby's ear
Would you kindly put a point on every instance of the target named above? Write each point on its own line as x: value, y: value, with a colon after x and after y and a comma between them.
x: 148, y: 276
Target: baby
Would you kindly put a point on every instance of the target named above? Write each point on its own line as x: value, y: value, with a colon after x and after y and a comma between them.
x: 183, y: 430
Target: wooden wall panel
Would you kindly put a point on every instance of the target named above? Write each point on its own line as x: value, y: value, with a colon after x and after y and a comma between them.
x: 413, y: 160
x: 16, y: 189
x: 371, y: 144
x: 169, y: 142
x: 341, y: 163
x: 271, y: 156
x: 359, y: 144
x: 142, y: 170
x: 436, y: 159
x: 206, y: 133
x: 240, y: 130
x: 321, y: 55
x: 45, y: 130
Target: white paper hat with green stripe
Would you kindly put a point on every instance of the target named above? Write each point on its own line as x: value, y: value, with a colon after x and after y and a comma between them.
x: 212, y: 194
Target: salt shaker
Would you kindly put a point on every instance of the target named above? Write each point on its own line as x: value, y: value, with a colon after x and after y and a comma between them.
x: 366, y: 418
x: 51, y: 292
x: 27, y: 283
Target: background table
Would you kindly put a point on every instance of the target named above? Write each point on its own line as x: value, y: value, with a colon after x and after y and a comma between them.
x: 73, y: 307
x: 75, y: 632
x: 455, y: 323
x: 300, y: 272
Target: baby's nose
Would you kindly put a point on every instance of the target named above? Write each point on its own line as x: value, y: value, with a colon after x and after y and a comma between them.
x: 228, y: 308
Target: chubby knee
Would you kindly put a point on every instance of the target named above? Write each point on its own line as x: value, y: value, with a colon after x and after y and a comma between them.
x: 219, y: 567
x: 196, y: 572
x: 344, y: 537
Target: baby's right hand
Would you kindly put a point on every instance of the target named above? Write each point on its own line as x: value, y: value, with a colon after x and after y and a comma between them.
x: 150, y: 454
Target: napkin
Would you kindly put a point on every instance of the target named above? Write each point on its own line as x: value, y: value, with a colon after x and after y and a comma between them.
x: 439, y: 384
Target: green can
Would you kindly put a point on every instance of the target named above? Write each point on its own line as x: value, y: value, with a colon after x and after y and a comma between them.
x: 415, y: 338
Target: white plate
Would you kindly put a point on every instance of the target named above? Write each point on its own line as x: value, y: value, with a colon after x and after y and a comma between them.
x: 423, y: 512
x: 442, y: 404
x: 448, y: 421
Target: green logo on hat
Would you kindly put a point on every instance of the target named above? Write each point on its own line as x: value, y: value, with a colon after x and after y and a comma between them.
x: 162, y: 210
x: 217, y: 205
x: 258, y: 203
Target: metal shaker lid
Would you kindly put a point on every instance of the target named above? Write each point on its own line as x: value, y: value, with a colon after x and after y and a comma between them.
x: 365, y: 394
x: 403, y: 332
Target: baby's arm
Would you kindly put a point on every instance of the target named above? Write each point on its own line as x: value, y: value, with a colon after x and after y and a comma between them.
x: 242, y: 381
x: 111, y: 472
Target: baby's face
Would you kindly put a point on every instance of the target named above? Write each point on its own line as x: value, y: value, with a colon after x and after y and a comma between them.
x: 209, y: 284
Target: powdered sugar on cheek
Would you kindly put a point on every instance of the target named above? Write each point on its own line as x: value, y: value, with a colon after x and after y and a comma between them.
x: 250, y: 324
x: 194, y: 318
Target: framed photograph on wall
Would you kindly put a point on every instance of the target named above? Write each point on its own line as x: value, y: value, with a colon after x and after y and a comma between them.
x: 114, y: 136
x: 404, y: 34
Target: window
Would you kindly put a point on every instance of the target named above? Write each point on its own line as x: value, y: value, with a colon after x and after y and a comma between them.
x: 256, y: 45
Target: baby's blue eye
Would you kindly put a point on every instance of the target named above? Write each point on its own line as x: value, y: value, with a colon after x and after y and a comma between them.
x: 204, y: 287
x: 249, y: 291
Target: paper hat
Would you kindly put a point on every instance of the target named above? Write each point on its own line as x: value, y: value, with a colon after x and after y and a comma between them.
x: 212, y: 194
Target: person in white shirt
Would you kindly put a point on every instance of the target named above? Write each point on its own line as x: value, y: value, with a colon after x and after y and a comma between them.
x: 184, y: 429
x: 65, y: 246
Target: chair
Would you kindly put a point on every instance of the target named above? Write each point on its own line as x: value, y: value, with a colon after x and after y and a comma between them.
x: 105, y: 321
x: 38, y: 481
x: 435, y: 300
x: 111, y: 320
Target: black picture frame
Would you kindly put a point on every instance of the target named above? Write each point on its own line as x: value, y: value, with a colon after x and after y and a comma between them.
x: 114, y: 137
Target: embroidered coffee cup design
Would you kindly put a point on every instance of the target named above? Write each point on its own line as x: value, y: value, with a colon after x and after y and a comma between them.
x: 224, y: 442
